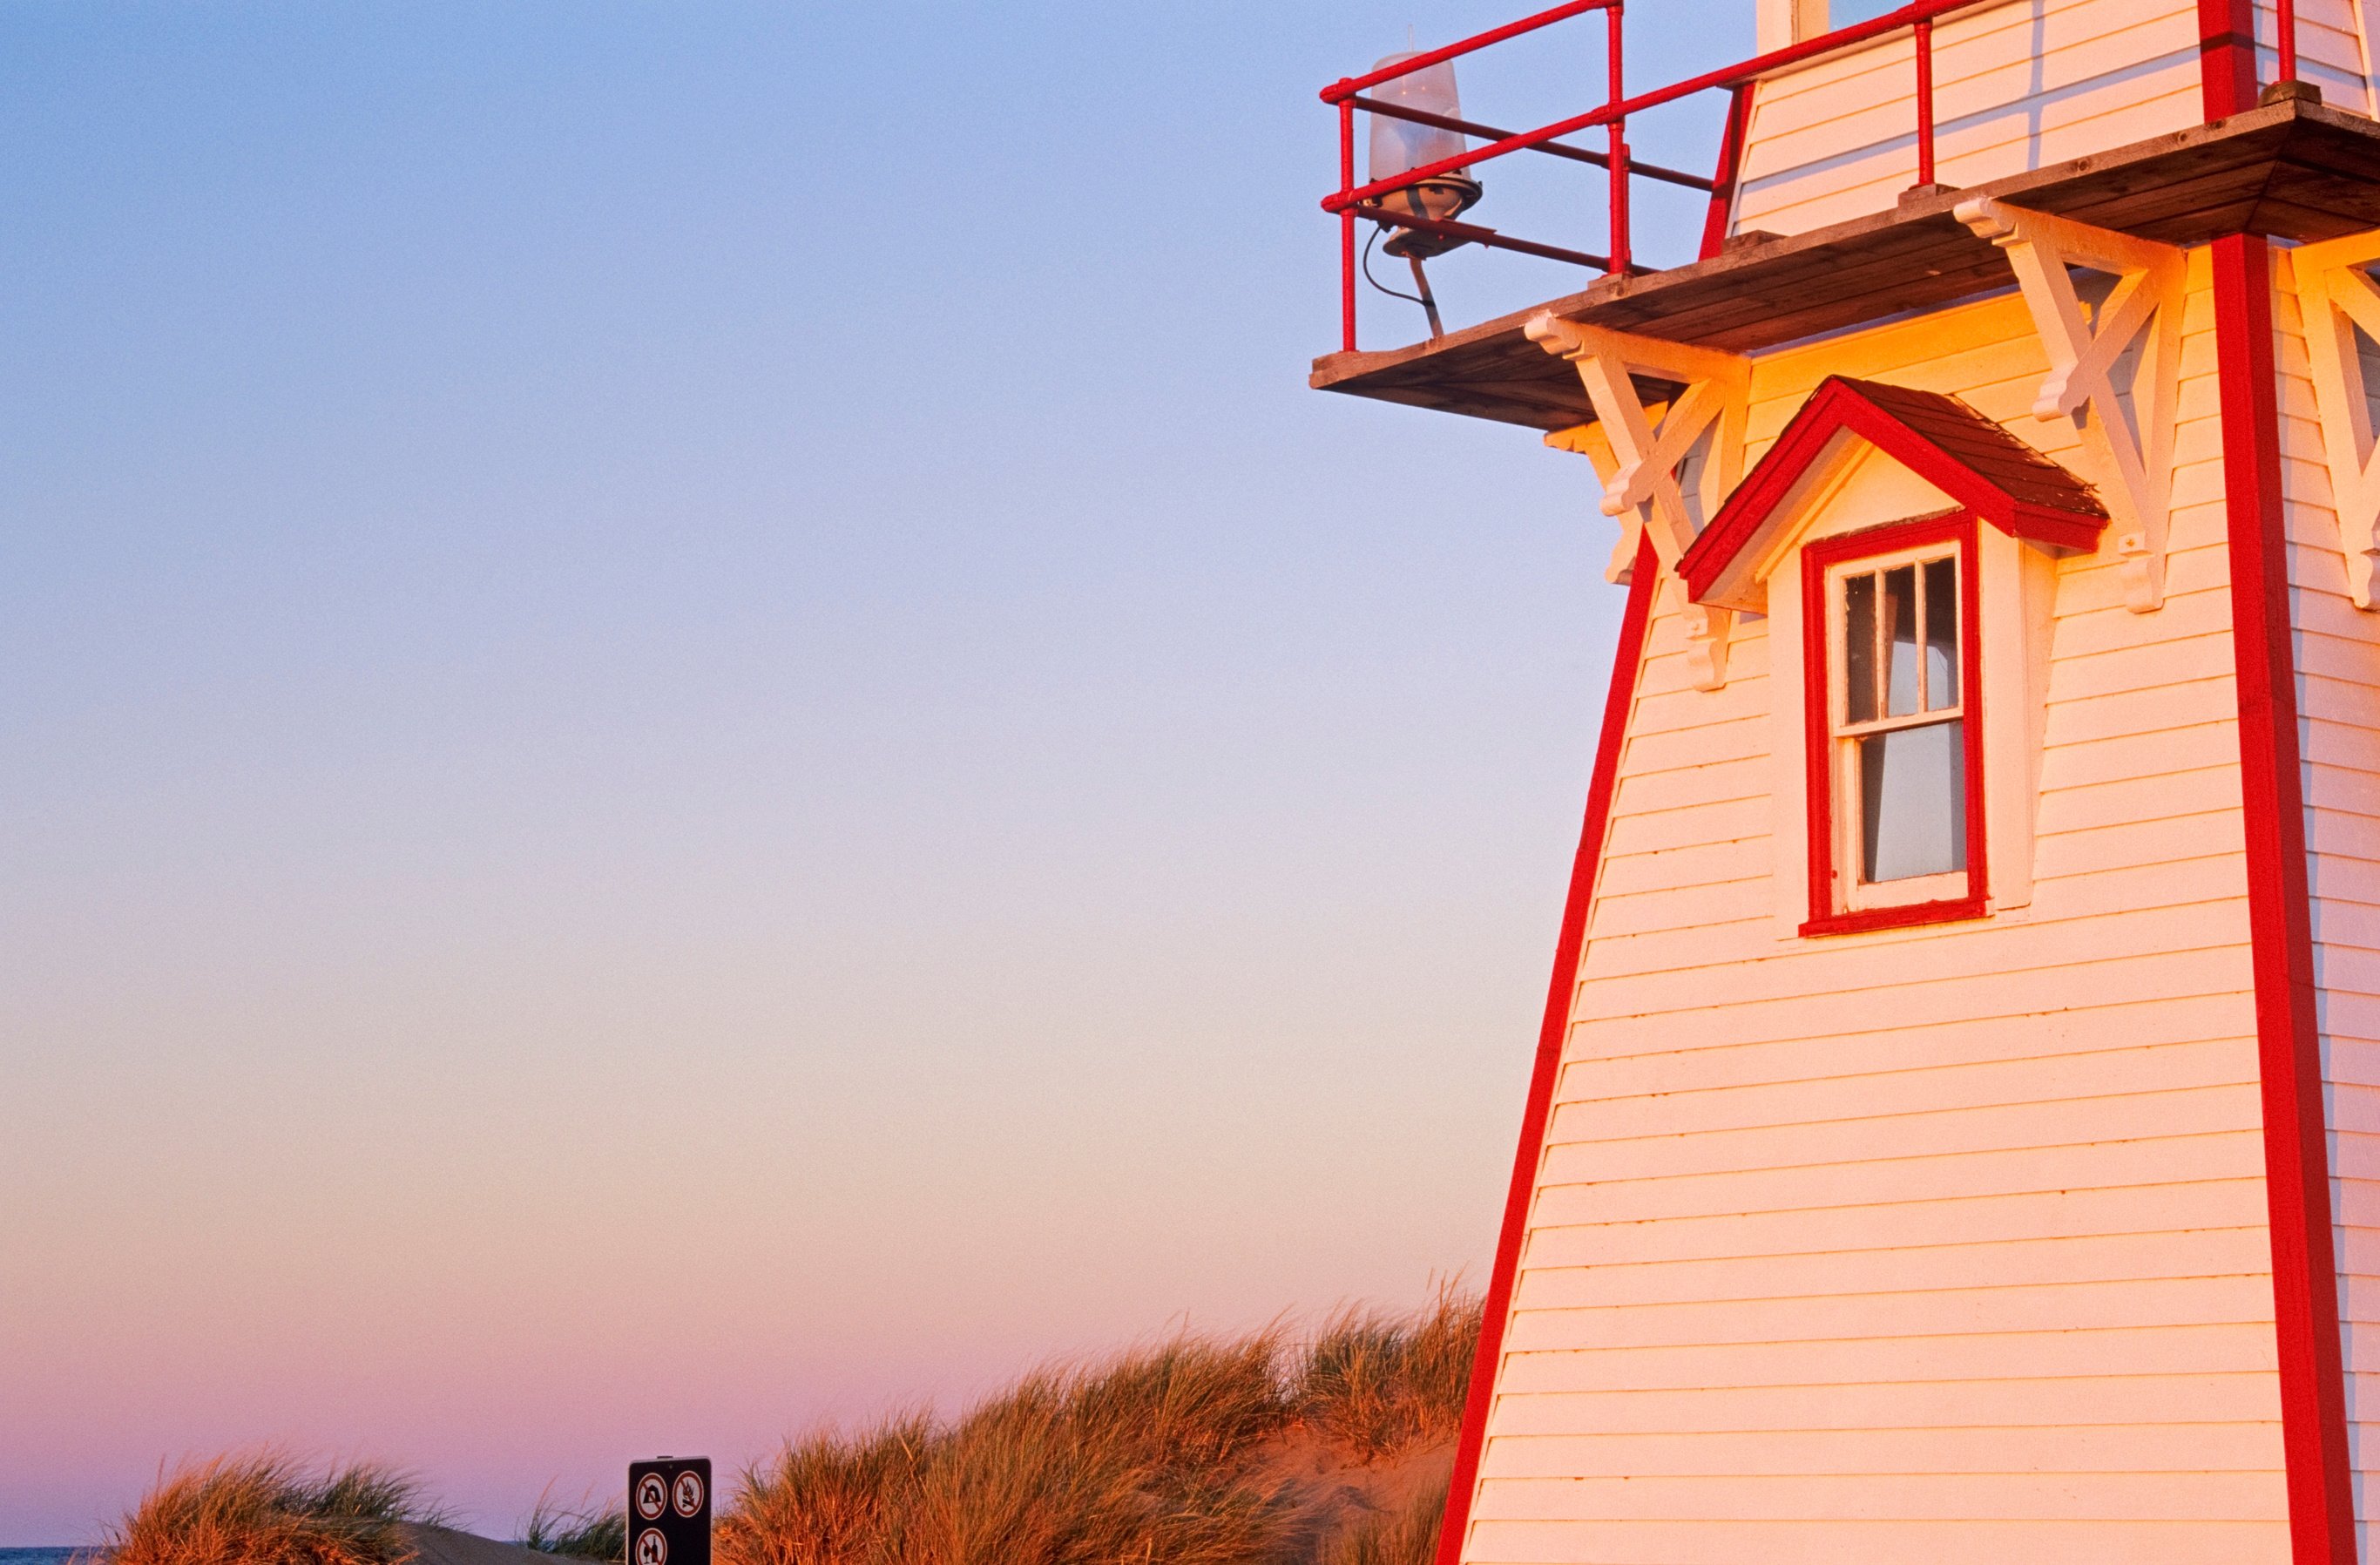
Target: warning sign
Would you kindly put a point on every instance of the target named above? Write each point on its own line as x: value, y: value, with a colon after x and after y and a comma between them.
x: 669, y: 1504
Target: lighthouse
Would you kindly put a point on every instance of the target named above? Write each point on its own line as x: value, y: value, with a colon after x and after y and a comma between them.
x: 1955, y: 1129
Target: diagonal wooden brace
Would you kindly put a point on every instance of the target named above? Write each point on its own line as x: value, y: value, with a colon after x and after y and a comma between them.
x: 1646, y: 487
x: 2132, y: 449
x: 2335, y: 295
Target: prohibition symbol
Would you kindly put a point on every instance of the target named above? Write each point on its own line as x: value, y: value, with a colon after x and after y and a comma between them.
x: 652, y: 1498
x: 687, y: 1493
x: 651, y: 1548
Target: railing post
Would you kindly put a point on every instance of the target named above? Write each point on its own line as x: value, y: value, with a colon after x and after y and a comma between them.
x: 1619, y: 128
x: 1923, y: 32
x: 2285, y: 20
x: 1347, y: 227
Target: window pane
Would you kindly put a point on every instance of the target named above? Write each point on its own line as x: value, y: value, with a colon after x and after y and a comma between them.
x: 1941, y: 634
x: 1858, y: 648
x: 1913, y: 801
x: 1900, y: 639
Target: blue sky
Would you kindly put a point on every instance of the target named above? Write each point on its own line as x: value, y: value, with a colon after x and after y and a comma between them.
x: 698, y: 731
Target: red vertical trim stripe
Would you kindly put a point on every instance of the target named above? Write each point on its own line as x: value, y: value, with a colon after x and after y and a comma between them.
x: 1721, y: 210
x: 2297, y: 1163
x: 2227, y: 56
x: 1570, y: 948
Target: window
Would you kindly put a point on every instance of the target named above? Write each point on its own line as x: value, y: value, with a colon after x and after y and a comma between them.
x: 1893, y: 687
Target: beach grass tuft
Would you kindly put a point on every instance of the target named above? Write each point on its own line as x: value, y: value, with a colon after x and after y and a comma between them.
x: 585, y: 1533
x: 267, y: 1509
x: 1373, y: 1382
x: 1165, y: 1454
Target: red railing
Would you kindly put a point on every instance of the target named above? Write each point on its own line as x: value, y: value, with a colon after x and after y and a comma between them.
x: 1353, y: 202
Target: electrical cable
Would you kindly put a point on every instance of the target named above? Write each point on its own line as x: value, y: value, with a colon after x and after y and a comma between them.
x: 1414, y: 297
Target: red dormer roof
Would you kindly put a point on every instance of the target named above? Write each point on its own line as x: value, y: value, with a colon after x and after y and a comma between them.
x: 1943, y: 441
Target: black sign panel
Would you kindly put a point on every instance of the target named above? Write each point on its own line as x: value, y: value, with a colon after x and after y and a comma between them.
x: 669, y: 1511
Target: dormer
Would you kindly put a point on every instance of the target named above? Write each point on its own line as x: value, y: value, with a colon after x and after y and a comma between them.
x: 1903, y: 547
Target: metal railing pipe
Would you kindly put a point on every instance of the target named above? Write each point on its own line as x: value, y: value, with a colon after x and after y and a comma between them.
x: 1471, y: 233
x: 1347, y: 87
x: 1347, y: 226
x: 1614, y: 19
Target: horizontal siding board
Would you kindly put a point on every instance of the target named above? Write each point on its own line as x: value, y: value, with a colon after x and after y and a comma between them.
x: 1968, y: 1040
x: 2113, y: 978
x: 2079, y: 763
x: 2214, y: 1497
x: 2213, y: 1349
x: 2098, y: 1165
x: 2192, y: 1447
x: 2141, y: 1399
x: 2139, y: 1116
x: 2134, y: 1301
x: 1939, y: 1269
x: 2052, y: 1078
x: 2169, y: 795
x: 1990, y: 1540
x: 1926, y: 1235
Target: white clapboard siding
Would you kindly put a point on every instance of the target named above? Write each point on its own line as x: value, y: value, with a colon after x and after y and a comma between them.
x: 1945, y: 1243
x: 2338, y: 692
x: 1972, y: 1541
x: 2017, y: 86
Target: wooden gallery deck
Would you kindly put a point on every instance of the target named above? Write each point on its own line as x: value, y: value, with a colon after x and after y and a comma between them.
x: 2294, y: 170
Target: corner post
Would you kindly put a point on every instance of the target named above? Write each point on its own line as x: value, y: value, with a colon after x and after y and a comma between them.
x: 2297, y: 1160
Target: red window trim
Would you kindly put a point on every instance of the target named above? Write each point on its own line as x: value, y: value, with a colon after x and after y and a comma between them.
x: 1818, y: 720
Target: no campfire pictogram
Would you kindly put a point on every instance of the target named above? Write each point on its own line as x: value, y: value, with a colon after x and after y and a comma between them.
x: 687, y: 1494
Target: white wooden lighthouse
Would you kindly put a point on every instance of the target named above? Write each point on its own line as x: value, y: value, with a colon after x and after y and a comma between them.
x: 1955, y: 1135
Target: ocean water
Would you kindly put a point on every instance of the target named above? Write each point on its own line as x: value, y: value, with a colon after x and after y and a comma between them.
x: 37, y: 1556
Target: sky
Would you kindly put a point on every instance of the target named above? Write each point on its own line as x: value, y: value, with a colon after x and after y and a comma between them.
x: 698, y: 732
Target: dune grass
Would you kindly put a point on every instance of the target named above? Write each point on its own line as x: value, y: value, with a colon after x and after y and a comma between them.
x: 1373, y: 1382
x: 266, y: 1508
x: 588, y: 1532
x: 1146, y: 1458
x: 1266, y: 1448
x: 1160, y: 1455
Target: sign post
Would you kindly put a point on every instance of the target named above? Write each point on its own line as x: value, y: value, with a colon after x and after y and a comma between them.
x: 669, y: 1511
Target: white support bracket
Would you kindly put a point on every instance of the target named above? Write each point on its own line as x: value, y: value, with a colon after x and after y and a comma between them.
x: 2137, y: 328
x: 2337, y: 295
x: 1649, y: 486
